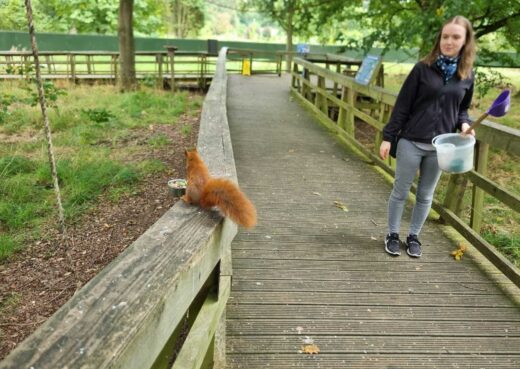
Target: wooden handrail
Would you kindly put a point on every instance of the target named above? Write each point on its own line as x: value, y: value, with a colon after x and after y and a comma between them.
x: 339, y: 111
x: 78, y: 65
x: 126, y: 315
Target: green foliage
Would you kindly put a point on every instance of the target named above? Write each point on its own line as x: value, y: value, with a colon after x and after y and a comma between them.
x: 11, y: 165
x: 84, y: 179
x: 5, y: 103
x: 186, y: 129
x: 82, y: 16
x: 299, y: 17
x: 486, y: 80
x: 8, y: 244
x: 165, y: 108
x: 159, y: 140
x: 185, y: 18
x: 95, y: 136
x: 51, y: 92
x: 99, y: 115
x: 507, y: 244
x: 396, y: 24
x: 153, y: 166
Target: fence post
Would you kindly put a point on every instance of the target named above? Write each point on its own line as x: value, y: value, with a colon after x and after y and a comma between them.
x: 114, y: 61
x: 350, y: 128
x: 171, y: 53
x: 320, y: 100
x: 159, y: 82
x: 72, y: 59
x: 477, y: 205
x: 455, y: 193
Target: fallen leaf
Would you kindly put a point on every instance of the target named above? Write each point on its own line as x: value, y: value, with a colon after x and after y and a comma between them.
x: 310, y: 349
x: 457, y: 254
x: 316, y: 193
x: 340, y: 205
x: 373, y: 238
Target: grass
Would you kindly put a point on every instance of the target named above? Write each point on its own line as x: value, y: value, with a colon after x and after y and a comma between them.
x: 91, y: 129
x: 500, y: 223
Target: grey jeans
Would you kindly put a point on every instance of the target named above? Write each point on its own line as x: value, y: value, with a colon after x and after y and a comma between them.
x: 410, y: 158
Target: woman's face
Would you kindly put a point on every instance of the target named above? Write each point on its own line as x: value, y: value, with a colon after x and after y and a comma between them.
x: 453, y: 37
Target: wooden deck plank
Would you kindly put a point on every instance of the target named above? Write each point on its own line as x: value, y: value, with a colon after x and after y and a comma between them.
x: 411, y: 345
x: 365, y: 312
x: 310, y: 285
x: 259, y: 274
x: 391, y: 328
x: 341, y: 300
x: 310, y: 270
x: 372, y: 361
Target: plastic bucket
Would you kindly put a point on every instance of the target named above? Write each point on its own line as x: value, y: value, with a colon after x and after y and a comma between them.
x: 454, y: 152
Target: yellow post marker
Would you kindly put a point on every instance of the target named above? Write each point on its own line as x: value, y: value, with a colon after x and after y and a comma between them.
x: 246, y: 67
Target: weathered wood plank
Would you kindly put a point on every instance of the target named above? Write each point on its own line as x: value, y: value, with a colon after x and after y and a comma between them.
x: 313, y: 327
x: 309, y: 269
x: 202, y: 332
x: 372, y: 361
x: 411, y: 345
x: 405, y: 265
x: 434, y: 276
x: 370, y: 312
x: 310, y: 285
x: 132, y: 305
x: 368, y: 298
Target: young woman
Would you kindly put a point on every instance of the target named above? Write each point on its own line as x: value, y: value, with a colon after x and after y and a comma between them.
x: 434, y: 99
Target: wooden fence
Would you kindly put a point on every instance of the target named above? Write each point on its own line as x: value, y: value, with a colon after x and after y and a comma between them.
x: 340, y: 103
x: 165, y: 68
x: 172, y: 282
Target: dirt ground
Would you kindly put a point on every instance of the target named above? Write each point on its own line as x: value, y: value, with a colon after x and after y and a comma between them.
x: 37, y: 281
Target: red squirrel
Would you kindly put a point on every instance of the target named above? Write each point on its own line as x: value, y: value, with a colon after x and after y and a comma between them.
x: 207, y: 192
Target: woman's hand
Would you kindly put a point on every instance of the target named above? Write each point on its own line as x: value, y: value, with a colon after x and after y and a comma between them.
x: 465, y: 128
x: 384, y: 149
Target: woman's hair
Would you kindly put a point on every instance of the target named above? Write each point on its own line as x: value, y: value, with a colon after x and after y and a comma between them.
x: 467, y: 53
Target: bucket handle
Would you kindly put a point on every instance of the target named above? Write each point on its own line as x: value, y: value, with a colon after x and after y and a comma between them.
x: 434, y: 139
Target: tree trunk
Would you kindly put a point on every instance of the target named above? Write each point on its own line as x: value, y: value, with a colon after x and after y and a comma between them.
x: 289, y: 43
x: 126, y: 45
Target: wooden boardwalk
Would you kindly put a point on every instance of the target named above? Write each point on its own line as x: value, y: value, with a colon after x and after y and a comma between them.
x: 312, y: 273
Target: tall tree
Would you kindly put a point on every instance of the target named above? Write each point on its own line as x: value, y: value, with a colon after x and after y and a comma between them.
x: 297, y: 17
x: 396, y: 23
x: 126, y: 45
x: 185, y: 17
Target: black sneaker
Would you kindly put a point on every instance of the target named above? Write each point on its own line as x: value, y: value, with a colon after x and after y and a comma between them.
x: 392, y: 244
x: 413, y: 246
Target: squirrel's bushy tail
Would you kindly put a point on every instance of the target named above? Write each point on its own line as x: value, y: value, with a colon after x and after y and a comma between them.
x: 228, y: 198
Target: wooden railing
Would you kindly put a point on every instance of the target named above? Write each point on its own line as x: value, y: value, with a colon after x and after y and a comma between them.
x: 162, y: 67
x: 172, y: 282
x: 271, y: 61
x: 339, y: 103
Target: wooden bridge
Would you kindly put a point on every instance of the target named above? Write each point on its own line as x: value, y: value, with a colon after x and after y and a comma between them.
x: 311, y: 285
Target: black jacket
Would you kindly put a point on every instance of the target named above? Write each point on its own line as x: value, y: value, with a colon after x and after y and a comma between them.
x: 425, y: 107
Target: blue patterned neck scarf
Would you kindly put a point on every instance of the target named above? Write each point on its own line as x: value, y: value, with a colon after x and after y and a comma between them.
x: 448, y: 66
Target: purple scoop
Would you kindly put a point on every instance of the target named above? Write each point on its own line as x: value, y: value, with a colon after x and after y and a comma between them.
x: 500, y: 106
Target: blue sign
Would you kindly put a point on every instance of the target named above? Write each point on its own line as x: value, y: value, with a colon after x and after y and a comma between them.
x: 368, y: 67
x: 303, y: 48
